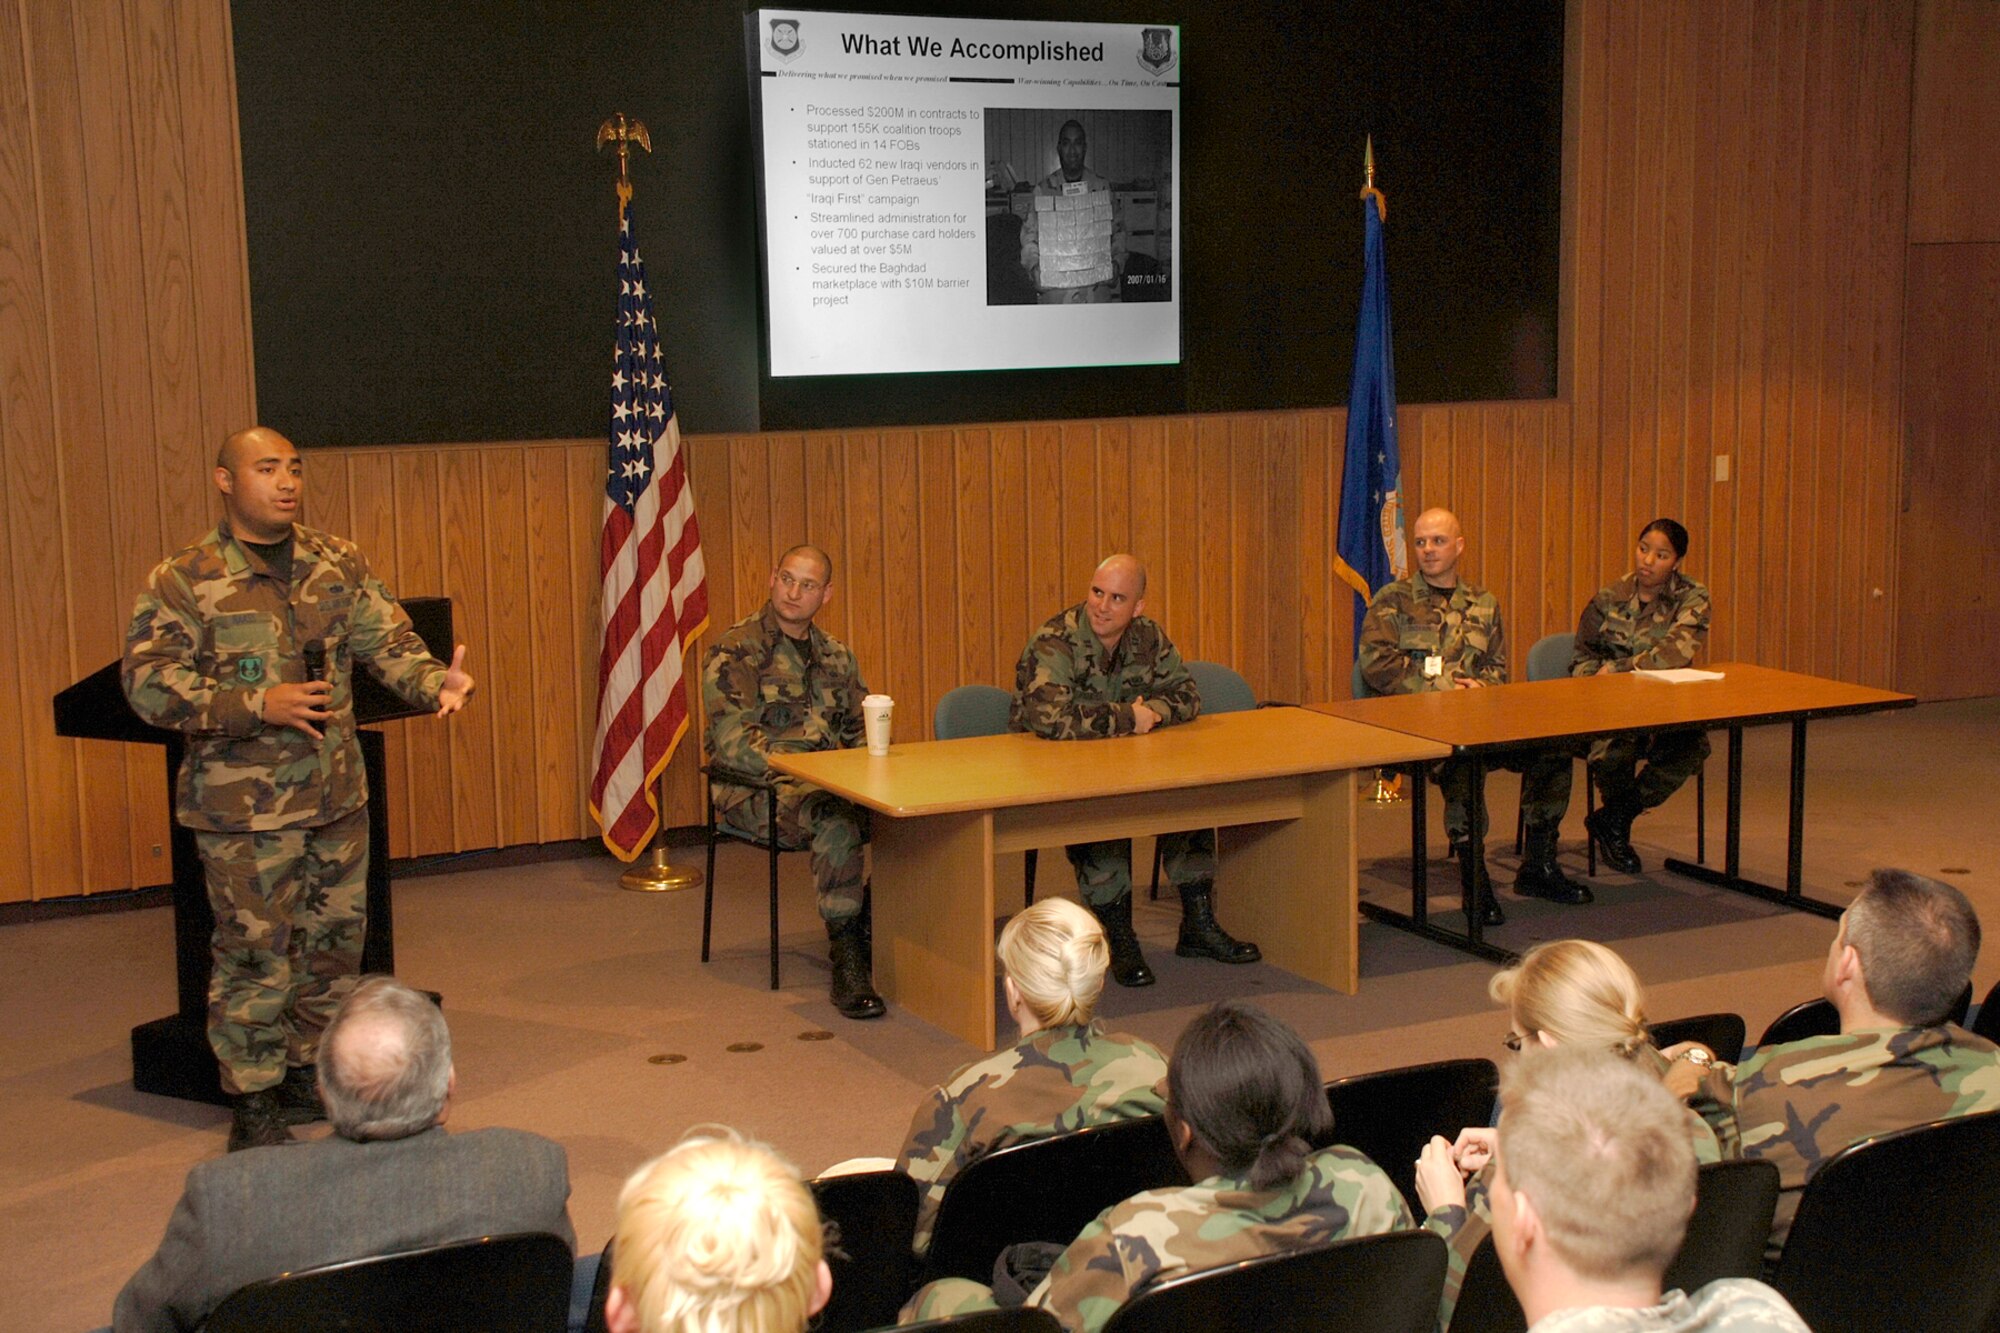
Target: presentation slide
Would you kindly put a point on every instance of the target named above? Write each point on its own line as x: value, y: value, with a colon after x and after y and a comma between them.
x: 964, y: 194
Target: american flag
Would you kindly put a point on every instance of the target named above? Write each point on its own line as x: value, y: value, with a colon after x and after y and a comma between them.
x: 655, y: 594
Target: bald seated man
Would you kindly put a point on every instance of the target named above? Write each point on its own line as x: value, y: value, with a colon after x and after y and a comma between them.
x: 1435, y: 631
x: 246, y: 642
x: 389, y: 1178
x: 1101, y: 669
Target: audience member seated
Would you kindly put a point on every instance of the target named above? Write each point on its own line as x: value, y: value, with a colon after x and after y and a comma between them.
x: 716, y: 1235
x: 1064, y: 1074
x: 1571, y: 993
x: 1244, y: 1103
x: 1903, y: 952
x: 389, y: 1178
x: 1593, y: 1185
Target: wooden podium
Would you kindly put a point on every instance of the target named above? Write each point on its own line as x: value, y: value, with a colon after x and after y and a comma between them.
x: 171, y: 1055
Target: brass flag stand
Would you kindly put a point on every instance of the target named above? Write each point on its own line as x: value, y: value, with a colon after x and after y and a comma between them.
x: 652, y: 874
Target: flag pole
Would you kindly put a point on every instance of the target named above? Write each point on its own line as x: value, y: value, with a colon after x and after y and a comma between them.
x: 1387, y: 788
x: 653, y: 874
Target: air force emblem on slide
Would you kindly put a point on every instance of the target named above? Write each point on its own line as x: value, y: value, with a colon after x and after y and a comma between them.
x: 784, y: 40
x: 1156, y: 50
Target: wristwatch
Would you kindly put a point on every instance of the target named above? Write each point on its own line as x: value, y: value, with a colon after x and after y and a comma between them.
x: 1695, y: 1055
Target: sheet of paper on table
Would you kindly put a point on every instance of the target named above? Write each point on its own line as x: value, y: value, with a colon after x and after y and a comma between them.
x: 1678, y: 675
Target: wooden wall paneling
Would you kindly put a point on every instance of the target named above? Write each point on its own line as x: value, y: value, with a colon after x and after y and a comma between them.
x: 1847, y: 322
x: 1049, y: 590
x: 785, y: 459
x: 1724, y: 196
x: 1777, y: 573
x: 1956, y: 122
x: 1014, y: 618
x: 1114, y: 488
x: 353, y: 493
x: 1311, y: 568
x: 1560, y: 603
x: 942, y: 610
x: 1147, y: 465
x: 1621, y: 346
x: 1214, y: 615
x: 751, y: 538
x: 421, y: 571
x: 1282, y: 638
x: 974, y: 563
x: 554, y: 643
x: 1644, y: 426
x: 1587, y: 94
x: 586, y: 524
x: 508, y: 652
x: 1521, y: 440
x: 1179, y: 607
x: 205, y: 70
x: 1248, y: 648
x: 1468, y: 475
x: 1677, y: 379
x: 1080, y: 549
x: 866, y: 618
x: 1817, y: 373
x: 95, y: 616
x: 824, y: 525
x: 902, y: 652
x: 1760, y: 241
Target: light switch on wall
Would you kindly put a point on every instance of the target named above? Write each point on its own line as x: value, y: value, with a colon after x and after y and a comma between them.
x: 1722, y: 467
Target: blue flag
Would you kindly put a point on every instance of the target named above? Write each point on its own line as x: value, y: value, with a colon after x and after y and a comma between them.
x: 1370, y: 546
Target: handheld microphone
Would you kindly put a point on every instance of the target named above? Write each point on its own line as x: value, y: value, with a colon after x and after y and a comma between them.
x: 315, y: 655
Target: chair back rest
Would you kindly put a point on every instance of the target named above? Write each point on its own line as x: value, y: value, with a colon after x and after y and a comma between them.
x: 1049, y: 1190
x: 600, y: 1287
x: 1988, y: 1023
x: 971, y: 710
x: 1887, y: 1232
x: 1486, y: 1304
x: 1020, y: 1319
x: 1721, y: 1033
x: 1549, y: 658
x: 509, y: 1284
x: 875, y: 1216
x: 1810, y: 1018
x: 1384, y: 1284
x: 1733, y: 1206
x: 1357, y: 684
x: 1391, y: 1114
x: 1222, y: 690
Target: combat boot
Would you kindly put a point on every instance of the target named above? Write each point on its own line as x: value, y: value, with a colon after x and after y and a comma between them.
x: 1128, y: 965
x: 1541, y: 877
x: 298, y: 1095
x: 1201, y: 937
x: 853, y: 992
x: 257, y: 1121
x: 1610, y: 828
x: 1477, y: 887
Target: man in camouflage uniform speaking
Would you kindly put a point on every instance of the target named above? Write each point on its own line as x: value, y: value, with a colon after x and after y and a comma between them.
x: 1898, y: 963
x: 777, y: 683
x: 273, y: 782
x: 1103, y: 669
x: 1434, y: 631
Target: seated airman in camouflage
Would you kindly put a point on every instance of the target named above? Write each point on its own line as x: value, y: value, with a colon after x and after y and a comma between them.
x: 775, y: 683
x: 1655, y: 618
x: 1103, y: 669
x: 1593, y: 1185
x: 1244, y: 1104
x: 223, y: 647
x: 1064, y: 1074
x: 1434, y: 631
x: 1901, y: 957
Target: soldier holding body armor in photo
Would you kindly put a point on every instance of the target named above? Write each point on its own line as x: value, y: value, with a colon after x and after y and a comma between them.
x: 777, y: 683
x: 247, y: 643
x: 1073, y: 239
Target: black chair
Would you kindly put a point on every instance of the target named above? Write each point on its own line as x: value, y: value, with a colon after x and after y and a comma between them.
x: 593, y: 1319
x: 507, y: 1284
x: 1391, y: 1115
x: 1049, y: 1190
x: 981, y: 710
x: 1818, y: 1018
x: 1733, y: 1205
x: 1018, y: 1320
x: 768, y: 841
x: 1721, y: 1033
x: 875, y: 1216
x: 1371, y: 1284
x: 1988, y: 1023
x: 1888, y: 1230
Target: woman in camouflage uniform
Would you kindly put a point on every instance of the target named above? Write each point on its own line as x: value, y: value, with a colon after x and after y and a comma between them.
x: 1562, y: 993
x: 1064, y: 1074
x: 1244, y: 1105
x: 1654, y: 618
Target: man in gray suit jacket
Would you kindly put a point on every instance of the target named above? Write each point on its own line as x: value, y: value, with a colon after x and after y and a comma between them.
x: 389, y: 1178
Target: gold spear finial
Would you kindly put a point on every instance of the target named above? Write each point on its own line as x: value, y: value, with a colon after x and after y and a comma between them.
x: 624, y: 133
x: 1368, y: 190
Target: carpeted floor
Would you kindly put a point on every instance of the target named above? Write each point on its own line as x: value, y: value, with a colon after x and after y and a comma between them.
x: 561, y: 989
